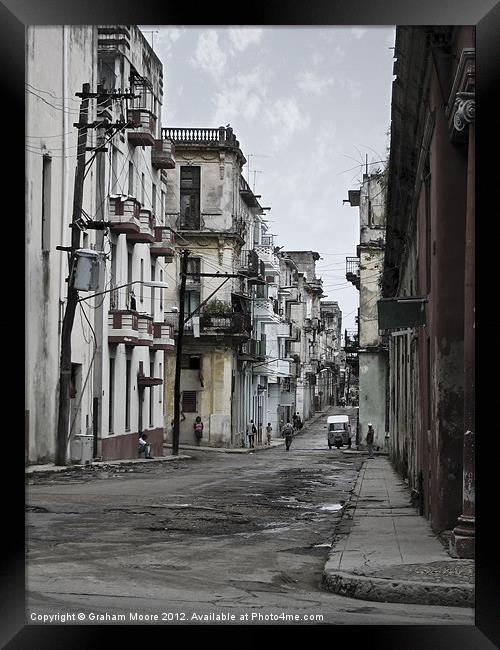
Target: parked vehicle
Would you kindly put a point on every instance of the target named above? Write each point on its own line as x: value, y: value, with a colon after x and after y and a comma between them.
x: 339, y: 431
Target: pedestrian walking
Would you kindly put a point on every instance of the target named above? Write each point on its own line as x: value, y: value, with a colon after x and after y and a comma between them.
x: 269, y: 431
x: 287, y: 433
x: 251, y: 431
x: 369, y: 439
x: 198, y: 429
x: 144, y: 446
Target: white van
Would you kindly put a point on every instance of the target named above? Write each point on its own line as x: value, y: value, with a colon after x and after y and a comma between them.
x: 339, y: 431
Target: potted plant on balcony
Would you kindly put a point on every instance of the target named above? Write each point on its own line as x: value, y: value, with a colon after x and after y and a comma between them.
x: 217, y: 308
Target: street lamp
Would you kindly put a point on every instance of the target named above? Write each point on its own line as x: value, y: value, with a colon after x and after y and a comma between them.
x: 147, y: 283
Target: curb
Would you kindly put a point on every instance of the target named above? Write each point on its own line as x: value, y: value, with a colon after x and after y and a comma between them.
x: 397, y: 591
x: 56, y: 469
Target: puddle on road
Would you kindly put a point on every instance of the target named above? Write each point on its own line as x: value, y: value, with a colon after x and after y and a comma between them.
x: 325, y: 545
x: 332, y: 507
x: 276, y: 530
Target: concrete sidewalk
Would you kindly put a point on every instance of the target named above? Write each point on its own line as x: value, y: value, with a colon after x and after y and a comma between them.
x: 385, y: 551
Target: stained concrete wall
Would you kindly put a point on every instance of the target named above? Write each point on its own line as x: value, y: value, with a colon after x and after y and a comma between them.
x: 59, y: 60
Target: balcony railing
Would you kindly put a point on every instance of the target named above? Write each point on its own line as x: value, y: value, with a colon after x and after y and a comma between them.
x: 164, y: 243
x: 249, y: 263
x: 123, y: 327
x: 163, y: 154
x: 352, y: 270
x: 162, y: 336
x: 230, y: 324
x: 124, y: 214
x: 143, y: 133
x: 351, y: 341
x: 146, y: 229
x: 208, y: 223
x: 222, y: 135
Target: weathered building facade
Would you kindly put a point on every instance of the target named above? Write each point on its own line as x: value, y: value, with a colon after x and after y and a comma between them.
x: 366, y: 273
x: 119, y: 337
x: 429, y: 256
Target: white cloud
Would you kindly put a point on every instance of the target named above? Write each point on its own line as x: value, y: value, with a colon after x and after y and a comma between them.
x: 243, y: 98
x: 208, y: 55
x: 165, y: 39
x: 285, y: 118
x: 242, y: 37
x: 311, y: 82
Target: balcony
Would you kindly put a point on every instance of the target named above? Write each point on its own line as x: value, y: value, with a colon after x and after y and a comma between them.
x: 144, y: 127
x: 265, y: 310
x: 249, y: 263
x: 145, y: 330
x: 267, y: 255
x: 260, y: 278
x: 311, y: 324
x: 124, y: 214
x: 200, y: 136
x: 351, y: 341
x: 146, y: 229
x: 253, y: 350
x: 162, y: 337
x: 227, y: 324
x: 247, y: 195
x: 163, y: 244
x: 194, y: 224
x: 163, y: 154
x: 352, y: 270
x: 315, y: 284
x: 123, y: 327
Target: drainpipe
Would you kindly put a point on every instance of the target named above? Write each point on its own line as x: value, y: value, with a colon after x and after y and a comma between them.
x: 462, y: 542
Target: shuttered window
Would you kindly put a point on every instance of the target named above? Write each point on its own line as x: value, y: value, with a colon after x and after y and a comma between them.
x: 189, y: 401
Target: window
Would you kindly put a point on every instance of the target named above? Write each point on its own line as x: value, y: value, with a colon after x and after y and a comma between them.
x: 143, y: 189
x: 160, y: 374
x: 193, y: 266
x: 161, y: 294
x: 151, y: 394
x: 189, y: 401
x: 153, y: 198
x: 190, y: 362
x: 46, y: 185
x: 111, y: 393
x: 127, y: 395
x: 192, y: 301
x: 153, y: 289
x: 142, y: 281
x: 190, y: 198
x: 131, y: 179
x: 162, y: 206
x: 114, y: 170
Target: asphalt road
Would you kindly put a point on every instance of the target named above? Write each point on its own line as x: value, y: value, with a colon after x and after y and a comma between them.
x: 231, y: 538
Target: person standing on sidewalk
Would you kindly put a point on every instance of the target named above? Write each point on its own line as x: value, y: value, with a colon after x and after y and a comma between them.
x: 287, y: 433
x: 251, y: 431
x: 369, y: 439
x: 198, y: 429
x: 269, y: 431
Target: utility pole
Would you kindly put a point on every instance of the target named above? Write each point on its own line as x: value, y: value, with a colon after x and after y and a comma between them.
x: 178, y: 356
x: 72, y: 298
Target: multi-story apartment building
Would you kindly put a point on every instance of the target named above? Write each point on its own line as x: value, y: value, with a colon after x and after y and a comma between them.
x: 329, y: 340
x: 365, y: 272
x: 306, y: 315
x: 208, y: 203
x: 429, y: 275
x: 119, y: 337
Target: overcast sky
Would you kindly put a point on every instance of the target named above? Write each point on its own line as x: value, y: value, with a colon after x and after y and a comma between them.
x: 307, y: 105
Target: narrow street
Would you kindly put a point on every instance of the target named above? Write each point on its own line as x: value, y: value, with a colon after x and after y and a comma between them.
x: 233, y: 534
